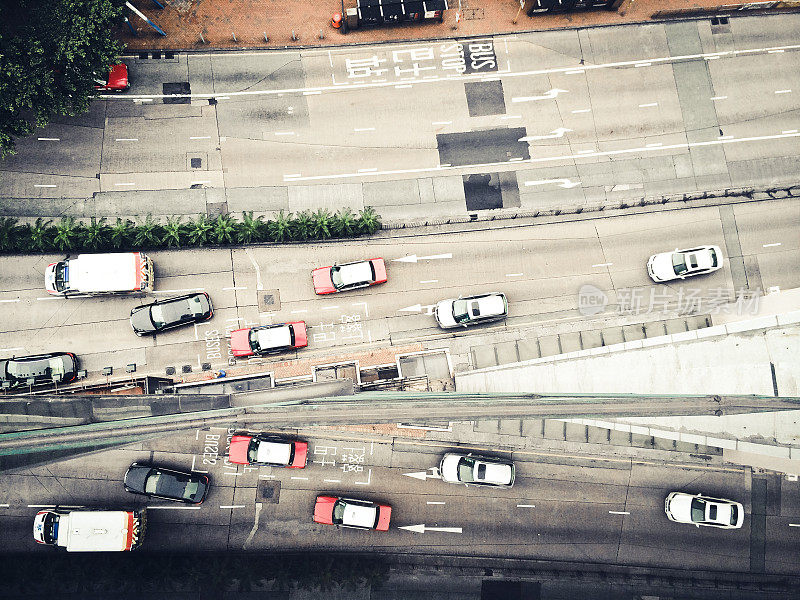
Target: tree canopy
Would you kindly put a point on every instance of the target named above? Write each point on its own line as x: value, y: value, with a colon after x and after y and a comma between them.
x: 51, y: 51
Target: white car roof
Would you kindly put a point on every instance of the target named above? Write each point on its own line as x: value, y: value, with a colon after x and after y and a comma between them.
x: 499, y: 474
x: 103, y: 272
x: 274, y: 452
x: 355, y: 273
x: 359, y: 515
x: 489, y: 305
x: 274, y: 337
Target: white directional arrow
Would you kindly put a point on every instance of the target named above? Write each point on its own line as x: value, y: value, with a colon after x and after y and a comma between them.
x: 546, y: 96
x: 422, y: 529
x: 424, y: 475
x: 414, y: 258
x: 415, y: 308
x: 556, y: 133
x: 564, y: 183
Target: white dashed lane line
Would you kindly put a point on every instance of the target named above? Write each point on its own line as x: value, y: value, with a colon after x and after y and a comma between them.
x: 618, y: 512
x: 770, y: 245
x: 526, y: 506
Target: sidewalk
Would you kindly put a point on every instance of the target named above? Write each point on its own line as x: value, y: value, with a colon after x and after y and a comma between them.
x: 218, y: 21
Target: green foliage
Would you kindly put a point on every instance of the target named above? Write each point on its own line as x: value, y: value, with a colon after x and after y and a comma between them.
x: 97, y: 234
x: 225, y: 228
x: 7, y: 229
x: 280, y: 229
x: 149, y: 233
x: 344, y: 222
x: 41, y: 235
x: 250, y: 230
x: 302, y: 225
x: 122, y: 234
x: 66, y: 232
x: 321, y: 224
x: 200, y: 230
x: 174, y: 232
x: 51, y: 53
x: 368, y: 220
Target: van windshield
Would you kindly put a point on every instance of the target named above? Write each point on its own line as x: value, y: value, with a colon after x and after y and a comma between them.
x: 62, y: 276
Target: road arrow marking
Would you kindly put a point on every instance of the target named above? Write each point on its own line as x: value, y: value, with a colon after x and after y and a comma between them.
x: 564, y: 183
x: 424, y: 475
x: 422, y: 529
x: 415, y: 308
x: 435, y: 256
x: 411, y: 259
x: 414, y: 258
x: 556, y: 133
x: 546, y: 96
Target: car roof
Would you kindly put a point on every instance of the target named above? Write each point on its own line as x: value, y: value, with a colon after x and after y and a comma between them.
x: 358, y: 514
x: 274, y: 337
x: 489, y: 305
x: 272, y: 451
x: 353, y: 273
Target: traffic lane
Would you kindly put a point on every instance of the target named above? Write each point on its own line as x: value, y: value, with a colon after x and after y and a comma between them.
x: 782, y: 549
x: 761, y: 225
x: 718, y: 481
x: 25, y: 273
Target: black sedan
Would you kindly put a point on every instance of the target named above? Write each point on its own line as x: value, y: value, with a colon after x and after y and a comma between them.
x: 158, y: 482
x: 54, y: 367
x: 171, y: 312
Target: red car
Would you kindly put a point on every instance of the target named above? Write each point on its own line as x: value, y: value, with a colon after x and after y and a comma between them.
x: 350, y: 276
x: 347, y: 512
x: 117, y: 80
x: 268, y: 339
x: 261, y: 449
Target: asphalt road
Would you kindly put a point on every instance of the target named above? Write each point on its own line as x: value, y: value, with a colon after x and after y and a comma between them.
x: 540, y: 269
x: 561, y: 507
x: 606, y: 114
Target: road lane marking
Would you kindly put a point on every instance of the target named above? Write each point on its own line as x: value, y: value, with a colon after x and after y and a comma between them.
x: 233, y: 506
x: 44, y: 185
x: 618, y: 512
x: 423, y: 281
x: 603, y: 265
x: 771, y: 245
x: 5, y: 505
x: 301, y: 478
x: 775, y: 51
x: 255, y: 526
x: 312, y: 93
x: 126, y: 140
x: 284, y: 133
x: 422, y: 529
x: 430, y: 502
x: 332, y: 480
x: 369, y: 477
x: 329, y: 307
x: 514, y: 274
x: 582, y: 110
x: 174, y: 507
x: 574, y: 72
x: 719, y: 97
x: 648, y: 105
x: 400, y: 87
x: 526, y: 506
x: 644, y: 64
x: 17, y: 300
x: 794, y: 524
x: 789, y: 131
x: 783, y: 91
x: 711, y: 57
x: 259, y: 285
x: 49, y: 139
x: 363, y: 129
x: 294, y: 312
x: 516, y: 159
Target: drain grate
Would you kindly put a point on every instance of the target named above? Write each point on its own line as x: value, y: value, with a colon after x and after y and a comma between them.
x: 269, y: 491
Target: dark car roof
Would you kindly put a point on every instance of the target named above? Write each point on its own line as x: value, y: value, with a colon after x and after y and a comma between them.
x: 37, y: 365
x: 173, y: 310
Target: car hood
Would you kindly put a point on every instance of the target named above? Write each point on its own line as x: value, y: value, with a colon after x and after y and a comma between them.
x: 449, y: 467
x: 240, y: 342
x: 444, y: 313
x: 384, y: 516
x: 661, y: 266
x: 300, y: 334
x: 238, y: 451
x: 323, y: 510
x: 300, y: 455
x: 680, y: 507
x: 136, y: 475
x: 140, y: 320
x: 322, y: 280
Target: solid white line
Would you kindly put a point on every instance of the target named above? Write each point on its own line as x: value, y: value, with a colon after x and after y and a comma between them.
x: 312, y: 93
x: 441, y: 122
x: 434, y: 502
x: 329, y: 307
x: 430, y: 281
x: 719, y: 97
x: 364, y: 129
x: 514, y: 274
x: 575, y: 72
x: 44, y: 185
x: 223, y: 97
x: 4, y: 505
x: 49, y: 139
x: 236, y: 287
x: 526, y: 506
x: 618, y: 512
x: 789, y: 131
x: 399, y: 87
x: 711, y: 57
x: 17, y: 300
x: 174, y: 507
x: 655, y: 145
x: 775, y: 51
x: 284, y: 133
x: 53, y: 506
x: 583, y: 110
x: 303, y: 478
x: 11, y: 349
x: 233, y: 506
x: 771, y: 245
x: 294, y: 312
x: 783, y: 91
x: 128, y: 183
x: 645, y: 64
x: 370, y: 170
x: 515, y: 159
x: 200, y: 137
x: 126, y: 140
x: 332, y: 480
x: 794, y: 524
x: 648, y: 105
x: 603, y: 265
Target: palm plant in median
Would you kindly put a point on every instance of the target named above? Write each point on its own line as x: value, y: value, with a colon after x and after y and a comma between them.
x: 174, y: 232
x: 66, y: 234
x: 40, y: 235
x: 200, y: 230
x: 369, y: 221
x: 225, y: 228
x: 149, y: 233
x: 321, y: 224
x: 121, y: 234
x: 302, y: 226
x: 250, y: 229
x: 96, y: 235
x: 7, y: 229
x: 280, y: 228
x: 344, y: 222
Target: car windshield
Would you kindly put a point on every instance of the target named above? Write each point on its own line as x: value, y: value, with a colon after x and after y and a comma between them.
x: 465, y: 470
x: 62, y: 274
x: 460, y: 311
x: 50, y: 529
x: 714, y: 261
x: 336, y: 277
x: 338, y: 512
x: 254, y: 340
x: 252, y: 450
x: 698, y: 510
x: 679, y: 264
x: 734, y: 515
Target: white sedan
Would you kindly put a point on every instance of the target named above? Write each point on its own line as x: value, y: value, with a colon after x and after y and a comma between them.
x: 681, y: 264
x: 697, y: 510
x: 471, y: 310
x: 476, y: 470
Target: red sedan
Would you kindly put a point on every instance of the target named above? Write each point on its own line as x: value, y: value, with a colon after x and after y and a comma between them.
x: 262, y: 449
x: 347, y: 512
x: 117, y: 80
x: 268, y: 339
x: 350, y: 276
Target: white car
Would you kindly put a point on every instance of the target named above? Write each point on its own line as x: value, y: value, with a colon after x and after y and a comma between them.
x: 476, y: 470
x: 471, y: 310
x: 681, y: 264
x: 697, y: 510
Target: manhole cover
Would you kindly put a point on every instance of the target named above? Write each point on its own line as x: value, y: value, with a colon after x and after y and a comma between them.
x: 268, y: 491
x: 269, y: 300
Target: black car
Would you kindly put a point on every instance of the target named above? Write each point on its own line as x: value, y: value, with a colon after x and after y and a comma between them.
x: 171, y: 312
x: 54, y: 367
x: 158, y: 482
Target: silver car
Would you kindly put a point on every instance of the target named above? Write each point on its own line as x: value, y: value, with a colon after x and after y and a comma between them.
x: 468, y: 469
x: 471, y: 310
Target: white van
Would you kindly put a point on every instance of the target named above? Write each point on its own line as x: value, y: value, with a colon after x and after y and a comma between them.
x: 111, y: 273
x: 90, y: 530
